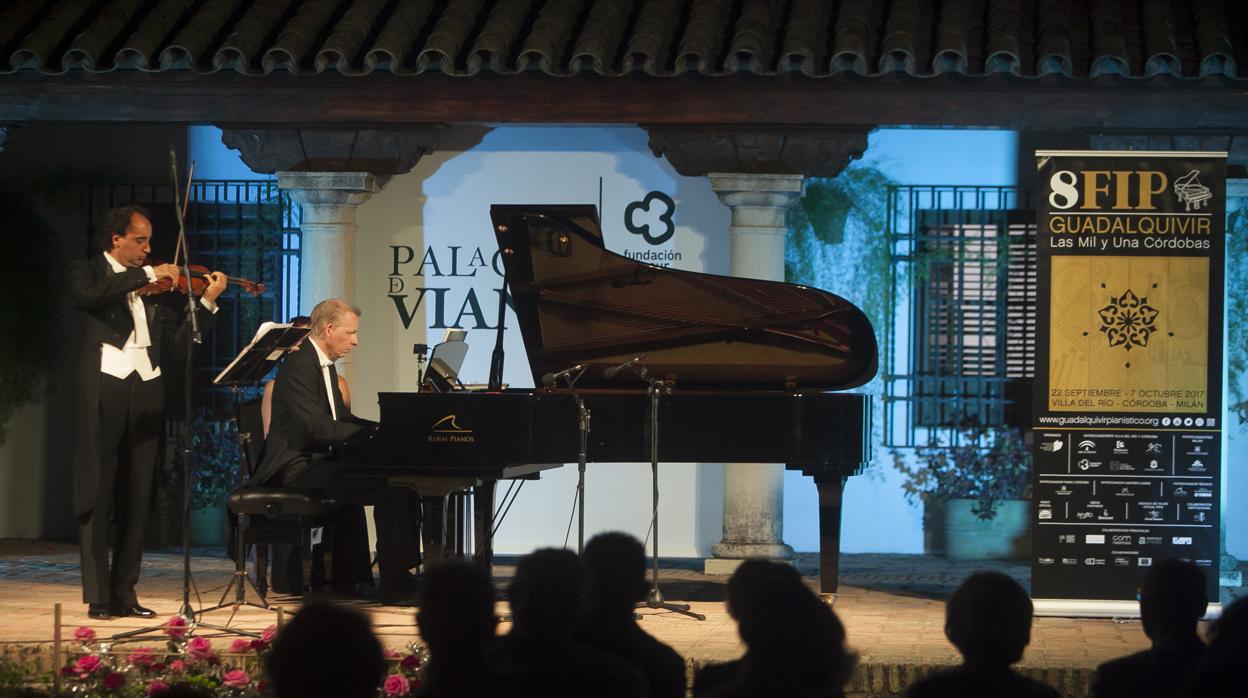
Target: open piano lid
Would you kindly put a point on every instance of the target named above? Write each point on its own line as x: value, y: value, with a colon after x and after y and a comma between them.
x: 579, y: 303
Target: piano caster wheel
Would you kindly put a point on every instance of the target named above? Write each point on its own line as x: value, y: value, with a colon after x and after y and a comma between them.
x: 829, y: 599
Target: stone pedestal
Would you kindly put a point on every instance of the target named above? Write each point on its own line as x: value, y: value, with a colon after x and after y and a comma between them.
x: 328, y: 201
x: 754, y: 492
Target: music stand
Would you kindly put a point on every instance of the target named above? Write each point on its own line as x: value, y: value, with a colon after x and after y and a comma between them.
x: 271, y: 343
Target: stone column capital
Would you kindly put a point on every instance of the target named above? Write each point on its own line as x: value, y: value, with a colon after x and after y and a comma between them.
x: 768, y: 190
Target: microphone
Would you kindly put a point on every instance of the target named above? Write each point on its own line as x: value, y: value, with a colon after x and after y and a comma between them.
x: 611, y: 372
x: 551, y: 378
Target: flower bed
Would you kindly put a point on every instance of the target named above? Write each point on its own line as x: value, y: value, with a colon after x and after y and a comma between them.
x: 232, y: 668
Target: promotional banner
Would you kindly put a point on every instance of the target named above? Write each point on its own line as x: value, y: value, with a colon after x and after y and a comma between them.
x: 1128, y: 401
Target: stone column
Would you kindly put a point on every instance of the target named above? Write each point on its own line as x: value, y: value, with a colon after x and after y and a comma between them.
x: 754, y: 492
x: 327, y: 259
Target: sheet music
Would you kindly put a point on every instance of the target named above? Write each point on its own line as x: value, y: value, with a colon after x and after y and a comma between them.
x: 270, y: 342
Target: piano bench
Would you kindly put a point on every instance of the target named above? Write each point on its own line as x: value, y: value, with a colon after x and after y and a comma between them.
x: 278, y: 503
x: 267, y: 516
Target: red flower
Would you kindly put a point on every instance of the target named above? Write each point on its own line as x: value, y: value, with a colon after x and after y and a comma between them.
x: 240, y: 645
x: 391, y: 654
x: 177, y: 666
x: 142, y: 657
x: 396, y: 685
x: 236, y: 678
x: 86, y: 665
x: 199, y: 648
x: 84, y: 634
x: 113, y: 681
x: 176, y: 627
x: 156, y: 687
x: 411, y: 662
x: 259, y: 645
x: 269, y: 632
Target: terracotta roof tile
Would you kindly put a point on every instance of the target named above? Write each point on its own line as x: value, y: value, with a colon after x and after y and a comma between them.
x: 1079, y: 39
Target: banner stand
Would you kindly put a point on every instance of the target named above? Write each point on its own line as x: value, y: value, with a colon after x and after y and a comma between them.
x: 1128, y: 407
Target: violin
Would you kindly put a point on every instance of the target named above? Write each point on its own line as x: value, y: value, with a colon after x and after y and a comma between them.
x: 199, y: 281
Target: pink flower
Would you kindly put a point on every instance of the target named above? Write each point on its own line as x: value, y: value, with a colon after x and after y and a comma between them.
x: 142, y: 657
x: 236, y: 678
x: 176, y: 627
x: 86, y: 665
x: 391, y: 654
x: 259, y: 645
x: 269, y: 632
x: 240, y: 645
x: 396, y: 685
x: 411, y: 662
x: 156, y: 687
x: 199, y: 648
x: 84, y: 634
x: 177, y: 666
x: 113, y: 681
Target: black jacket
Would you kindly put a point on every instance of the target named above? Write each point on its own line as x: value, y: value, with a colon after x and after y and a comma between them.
x: 302, y: 428
x: 100, y: 293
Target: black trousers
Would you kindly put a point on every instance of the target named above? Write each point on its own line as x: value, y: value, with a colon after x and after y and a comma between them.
x: 396, y: 512
x: 131, y: 420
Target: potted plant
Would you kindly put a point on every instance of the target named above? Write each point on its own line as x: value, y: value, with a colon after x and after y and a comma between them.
x: 214, y: 472
x: 982, y: 485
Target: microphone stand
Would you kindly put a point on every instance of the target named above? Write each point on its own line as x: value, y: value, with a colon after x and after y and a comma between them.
x: 582, y: 423
x: 656, y: 387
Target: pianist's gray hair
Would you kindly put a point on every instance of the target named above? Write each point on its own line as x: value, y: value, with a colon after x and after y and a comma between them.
x: 331, y: 312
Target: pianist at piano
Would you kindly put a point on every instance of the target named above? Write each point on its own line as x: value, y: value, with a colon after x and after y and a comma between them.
x: 309, y: 422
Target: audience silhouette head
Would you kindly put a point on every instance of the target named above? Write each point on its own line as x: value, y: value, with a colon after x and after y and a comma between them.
x: 793, y: 640
x: 988, y: 618
x: 547, y: 594
x: 326, y: 650
x: 457, y: 612
x: 1172, y: 599
x: 615, y: 564
x: 1221, y: 671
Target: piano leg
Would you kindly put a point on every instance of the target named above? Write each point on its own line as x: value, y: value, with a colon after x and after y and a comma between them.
x: 483, y: 525
x: 830, y: 489
x: 433, y: 527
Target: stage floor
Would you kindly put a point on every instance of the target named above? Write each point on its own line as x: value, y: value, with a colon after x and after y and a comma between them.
x: 892, y: 607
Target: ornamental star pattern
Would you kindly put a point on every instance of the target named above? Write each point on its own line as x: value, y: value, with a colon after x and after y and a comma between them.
x: 1128, y: 321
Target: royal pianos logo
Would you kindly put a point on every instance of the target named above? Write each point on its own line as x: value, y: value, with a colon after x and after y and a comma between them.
x: 448, y: 431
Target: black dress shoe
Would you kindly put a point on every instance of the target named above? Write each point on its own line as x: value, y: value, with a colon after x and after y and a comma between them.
x: 99, y: 611
x: 134, y: 610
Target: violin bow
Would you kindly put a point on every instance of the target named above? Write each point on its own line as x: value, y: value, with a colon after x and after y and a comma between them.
x: 186, y: 202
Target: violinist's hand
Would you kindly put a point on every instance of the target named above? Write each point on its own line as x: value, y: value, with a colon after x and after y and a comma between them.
x: 216, y: 285
x: 167, y: 271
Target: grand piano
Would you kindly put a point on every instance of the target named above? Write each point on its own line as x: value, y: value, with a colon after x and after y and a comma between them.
x: 751, y: 368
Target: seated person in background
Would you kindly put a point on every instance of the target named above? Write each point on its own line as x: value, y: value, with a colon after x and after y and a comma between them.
x: 326, y: 650
x: 540, y: 656
x: 457, y: 622
x: 309, y: 422
x: 988, y: 619
x: 266, y: 402
x: 1221, y: 672
x: 1172, y: 601
x: 795, y: 644
x: 616, y: 565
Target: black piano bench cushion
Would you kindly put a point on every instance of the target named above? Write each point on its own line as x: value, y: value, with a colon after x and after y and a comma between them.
x: 275, y: 502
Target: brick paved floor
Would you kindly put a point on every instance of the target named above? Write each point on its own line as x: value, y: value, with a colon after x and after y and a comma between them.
x: 892, y: 607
